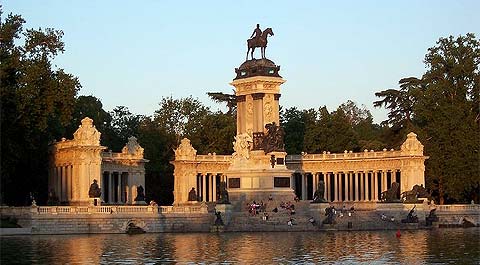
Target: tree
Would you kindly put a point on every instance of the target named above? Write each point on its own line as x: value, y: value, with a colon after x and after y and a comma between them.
x: 36, y: 105
x: 229, y: 99
x: 217, y: 135
x: 177, y: 118
x: 180, y: 117
x: 124, y: 124
x: 444, y: 108
x: 293, y: 123
x: 92, y: 107
x: 400, y: 103
x: 159, y: 145
x: 448, y: 111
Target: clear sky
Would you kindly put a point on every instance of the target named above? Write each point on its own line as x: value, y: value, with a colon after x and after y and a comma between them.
x: 133, y: 53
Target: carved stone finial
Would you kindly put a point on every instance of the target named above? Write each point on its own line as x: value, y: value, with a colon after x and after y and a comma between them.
x: 185, y: 151
x: 412, y: 145
x: 133, y: 148
x: 86, y: 133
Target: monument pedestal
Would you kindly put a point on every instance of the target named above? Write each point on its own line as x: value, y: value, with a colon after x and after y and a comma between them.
x: 258, y: 176
x: 226, y: 212
x: 95, y: 201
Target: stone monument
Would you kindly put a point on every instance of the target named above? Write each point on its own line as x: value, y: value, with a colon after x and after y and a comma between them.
x: 258, y: 167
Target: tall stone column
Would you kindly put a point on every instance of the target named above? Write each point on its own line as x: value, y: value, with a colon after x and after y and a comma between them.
x: 362, y: 186
x: 335, y: 186
x: 214, y: 187
x: 356, y: 176
x: 118, y: 187
x: 69, y: 183
x: 375, y: 186
x: 64, y: 183
x: 326, y: 178
x: 384, y: 180
x: 110, y: 187
x: 304, y: 190
x: 204, y: 187
x: 58, y: 182
x: 350, y: 177
x: 368, y: 187
x: 340, y: 186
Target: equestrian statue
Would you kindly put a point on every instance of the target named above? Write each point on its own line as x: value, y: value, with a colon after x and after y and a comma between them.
x: 258, y: 39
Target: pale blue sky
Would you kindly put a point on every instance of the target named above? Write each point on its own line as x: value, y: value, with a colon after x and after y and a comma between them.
x: 133, y: 53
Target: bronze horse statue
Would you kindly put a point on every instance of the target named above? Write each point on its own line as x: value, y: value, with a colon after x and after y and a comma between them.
x: 259, y: 42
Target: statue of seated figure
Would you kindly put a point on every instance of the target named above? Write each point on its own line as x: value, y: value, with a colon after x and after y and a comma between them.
x: 192, y: 195
x: 94, y: 191
x: 140, y: 194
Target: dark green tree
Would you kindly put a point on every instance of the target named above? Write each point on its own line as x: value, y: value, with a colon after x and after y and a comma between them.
x: 37, y: 101
x: 230, y: 100
x: 293, y: 123
x: 443, y: 107
x: 92, y: 107
x: 448, y: 111
x: 124, y: 124
x: 158, y: 145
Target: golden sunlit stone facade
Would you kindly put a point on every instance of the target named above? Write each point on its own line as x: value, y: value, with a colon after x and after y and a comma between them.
x: 250, y: 173
x: 75, y: 164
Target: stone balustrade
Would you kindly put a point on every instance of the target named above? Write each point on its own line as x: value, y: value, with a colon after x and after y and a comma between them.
x: 345, y: 155
x: 113, y: 209
x: 459, y: 208
x: 213, y: 157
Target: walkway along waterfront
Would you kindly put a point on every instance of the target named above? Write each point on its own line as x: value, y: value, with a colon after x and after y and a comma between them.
x: 199, y: 217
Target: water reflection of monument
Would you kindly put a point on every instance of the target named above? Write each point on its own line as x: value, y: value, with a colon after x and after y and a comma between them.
x: 260, y: 166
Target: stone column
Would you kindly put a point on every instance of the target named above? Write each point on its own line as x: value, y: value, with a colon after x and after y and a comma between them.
x: 214, y: 187
x: 314, y: 183
x: 204, y: 187
x: 63, y: 184
x: 368, y: 185
x: 110, y: 187
x: 69, y: 183
x: 326, y: 178
x: 335, y: 187
x: 58, y: 183
x: 355, y: 176
x: 372, y: 186
x: 384, y: 180
x: 375, y: 186
x: 350, y: 186
x: 392, y: 177
x: 340, y: 186
x: 362, y: 187
x: 304, y: 186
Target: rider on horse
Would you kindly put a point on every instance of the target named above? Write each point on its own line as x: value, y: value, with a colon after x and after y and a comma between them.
x: 257, y: 32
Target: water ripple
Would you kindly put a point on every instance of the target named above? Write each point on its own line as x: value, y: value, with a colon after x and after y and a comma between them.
x: 444, y: 246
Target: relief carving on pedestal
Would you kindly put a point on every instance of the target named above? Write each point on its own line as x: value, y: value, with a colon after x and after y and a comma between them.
x: 242, y: 146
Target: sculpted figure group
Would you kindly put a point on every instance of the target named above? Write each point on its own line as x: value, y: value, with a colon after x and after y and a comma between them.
x: 258, y: 40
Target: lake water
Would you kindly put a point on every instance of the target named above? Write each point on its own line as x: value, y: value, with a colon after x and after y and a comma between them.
x: 442, y: 246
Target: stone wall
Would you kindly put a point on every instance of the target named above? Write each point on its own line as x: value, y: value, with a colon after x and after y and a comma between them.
x: 196, y: 218
x: 109, y: 219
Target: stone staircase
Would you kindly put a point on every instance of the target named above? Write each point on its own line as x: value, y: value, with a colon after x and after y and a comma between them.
x: 242, y: 220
